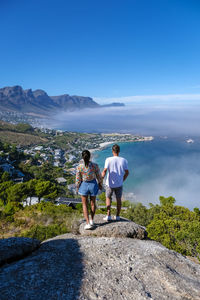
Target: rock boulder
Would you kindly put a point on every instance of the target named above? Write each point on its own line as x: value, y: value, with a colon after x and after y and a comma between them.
x: 122, y: 228
x: 85, y: 267
x: 16, y: 247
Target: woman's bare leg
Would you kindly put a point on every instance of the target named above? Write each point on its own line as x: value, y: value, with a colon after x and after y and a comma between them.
x: 85, y: 209
x: 93, y: 206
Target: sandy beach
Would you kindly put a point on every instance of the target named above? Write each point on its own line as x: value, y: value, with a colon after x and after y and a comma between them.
x: 105, y: 144
x: 102, y: 146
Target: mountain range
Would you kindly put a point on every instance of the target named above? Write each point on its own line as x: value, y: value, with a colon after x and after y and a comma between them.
x: 17, y: 99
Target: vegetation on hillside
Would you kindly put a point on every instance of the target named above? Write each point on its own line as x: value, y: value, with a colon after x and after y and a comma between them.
x: 20, y: 134
x: 176, y: 227
x: 41, y: 221
x: 24, y: 134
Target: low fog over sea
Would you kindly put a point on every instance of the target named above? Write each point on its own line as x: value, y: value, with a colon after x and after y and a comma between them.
x: 162, y: 167
x: 168, y: 165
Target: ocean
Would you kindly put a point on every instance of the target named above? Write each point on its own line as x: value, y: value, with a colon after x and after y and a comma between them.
x: 162, y: 167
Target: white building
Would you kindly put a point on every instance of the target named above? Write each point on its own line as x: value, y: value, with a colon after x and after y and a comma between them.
x: 38, y: 148
x: 61, y: 180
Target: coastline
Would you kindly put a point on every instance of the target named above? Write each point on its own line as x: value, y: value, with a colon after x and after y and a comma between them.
x: 104, y: 145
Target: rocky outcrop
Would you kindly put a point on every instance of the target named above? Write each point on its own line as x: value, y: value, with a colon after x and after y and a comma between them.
x: 122, y: 228
x: 114, y: 104
x: 68, y: 102
x: 84, y: 267
x: 15, y: 248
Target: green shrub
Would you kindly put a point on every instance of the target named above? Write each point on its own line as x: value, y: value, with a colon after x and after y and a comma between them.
x: 102, y: 198
x: 42, y: 233
x: 176, y: 227
x: 79, y: 207
x: 137, y: 213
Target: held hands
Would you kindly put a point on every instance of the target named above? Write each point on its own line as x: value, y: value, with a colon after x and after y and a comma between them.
x: 77, y: 188
x: 100, y: 186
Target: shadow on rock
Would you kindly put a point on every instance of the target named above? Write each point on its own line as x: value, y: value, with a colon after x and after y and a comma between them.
x: 15, y: 248
x: 54, y: 271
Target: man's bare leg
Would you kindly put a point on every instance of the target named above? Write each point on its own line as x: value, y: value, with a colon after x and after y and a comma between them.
x: 119, y: 205
x: 108, y: 206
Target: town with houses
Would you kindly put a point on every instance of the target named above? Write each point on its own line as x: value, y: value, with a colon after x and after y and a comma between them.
x: 66, y: 157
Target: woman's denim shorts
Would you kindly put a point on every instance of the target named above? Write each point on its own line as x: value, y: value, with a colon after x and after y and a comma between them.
x: 88, y: 188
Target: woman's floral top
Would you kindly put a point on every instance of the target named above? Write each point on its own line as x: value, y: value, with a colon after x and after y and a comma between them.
x: 84, y: 173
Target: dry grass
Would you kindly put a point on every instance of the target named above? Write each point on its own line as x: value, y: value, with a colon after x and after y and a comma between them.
x: 23, y: 139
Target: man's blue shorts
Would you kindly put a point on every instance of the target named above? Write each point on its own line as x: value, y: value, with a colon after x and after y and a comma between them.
x: 88, y: 188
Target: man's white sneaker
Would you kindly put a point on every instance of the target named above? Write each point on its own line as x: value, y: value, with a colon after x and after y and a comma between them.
x: 87, y: 226
x: 117, y: 218
x: 91, y: 222
x: 107, y: 218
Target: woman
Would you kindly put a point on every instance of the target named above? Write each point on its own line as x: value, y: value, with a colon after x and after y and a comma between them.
x: 86, y: 185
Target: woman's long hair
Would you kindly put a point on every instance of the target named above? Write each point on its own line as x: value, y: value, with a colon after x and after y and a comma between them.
x: 86, y: 157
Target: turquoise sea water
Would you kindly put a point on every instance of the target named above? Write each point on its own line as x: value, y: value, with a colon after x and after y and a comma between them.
x: 168, y: 167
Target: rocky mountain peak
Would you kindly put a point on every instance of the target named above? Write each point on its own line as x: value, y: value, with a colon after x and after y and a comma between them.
x: 10, y: 91
x: 27, y: 101
x: 39, y: 93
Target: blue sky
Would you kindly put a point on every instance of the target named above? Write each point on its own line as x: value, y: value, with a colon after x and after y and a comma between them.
x: 103, y: 49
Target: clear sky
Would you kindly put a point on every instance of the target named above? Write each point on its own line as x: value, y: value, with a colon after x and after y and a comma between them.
x: 101, y: 48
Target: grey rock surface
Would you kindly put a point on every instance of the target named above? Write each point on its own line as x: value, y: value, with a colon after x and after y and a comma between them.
x: 81, y: 267
x: 122, y: 228
x: 16, y: 247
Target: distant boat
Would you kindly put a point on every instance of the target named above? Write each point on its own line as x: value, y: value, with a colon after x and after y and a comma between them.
x: 190, y: 141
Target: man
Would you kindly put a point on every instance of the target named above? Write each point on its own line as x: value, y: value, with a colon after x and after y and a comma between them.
x: 117, y: 168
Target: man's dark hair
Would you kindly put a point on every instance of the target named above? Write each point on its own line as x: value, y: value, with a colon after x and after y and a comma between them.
x: 116, y: 148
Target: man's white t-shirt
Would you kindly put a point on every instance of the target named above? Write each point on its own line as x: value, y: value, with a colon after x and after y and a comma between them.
x: 116, y: 167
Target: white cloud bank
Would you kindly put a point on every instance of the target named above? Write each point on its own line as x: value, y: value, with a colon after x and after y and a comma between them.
x: 144, y: 98
x: 151, y: 115
x: 172, y: 115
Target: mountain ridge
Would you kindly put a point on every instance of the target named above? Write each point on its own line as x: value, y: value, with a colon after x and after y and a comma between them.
x: 17, y: 99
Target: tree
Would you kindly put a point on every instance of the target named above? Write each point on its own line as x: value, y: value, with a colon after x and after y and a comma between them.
x: 5, y: 177
x: 13, y: 153
x: 17, y: 193
x: 167, y: 201
x: 6, y: 147
x: 4, y: 188
x: 46, y: 189
x: 1, y: 173
x: 1, y: 146
x: 31, y: 184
